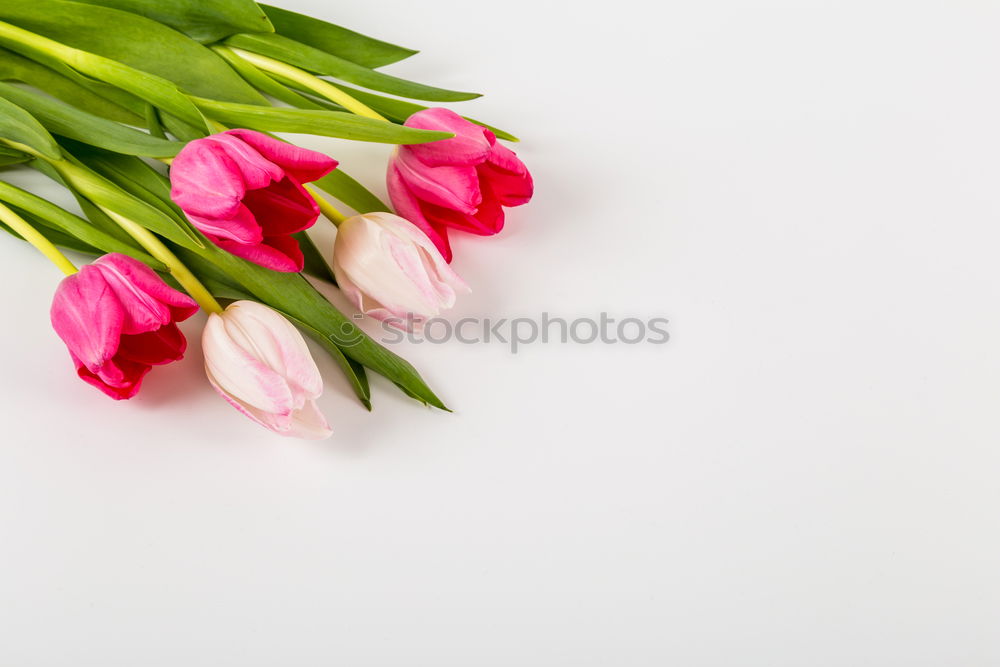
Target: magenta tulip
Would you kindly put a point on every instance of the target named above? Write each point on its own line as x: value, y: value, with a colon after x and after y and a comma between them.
x: 244, y: 191
x: 119, y: 319
x: 463, y: 182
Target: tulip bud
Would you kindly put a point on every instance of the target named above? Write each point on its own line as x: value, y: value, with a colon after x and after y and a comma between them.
x: 258, y: 361
x: 244, y: 191
x: 460, y: 183
x: 391, y: 271
x: 119, y: 319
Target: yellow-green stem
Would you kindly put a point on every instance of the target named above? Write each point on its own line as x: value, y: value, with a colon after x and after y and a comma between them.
x: 177, y: 269
x: 326, y: 208
x: 313, y: 83
x: 32, y: 236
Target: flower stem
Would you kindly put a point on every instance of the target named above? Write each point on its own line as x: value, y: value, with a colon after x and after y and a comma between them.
x: 329, y: 211
x: 313, y: 83
x: 177, y: 269
x: 32, y: 236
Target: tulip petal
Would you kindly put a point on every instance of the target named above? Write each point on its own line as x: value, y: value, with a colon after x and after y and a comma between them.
x: 507, y: 176
x: 277, y: 343
x: 282, y: 208
x: 88, y: 317
x: 121, y: 380
x: 470, y: 145
x: 275, y: 253
x: 408, y: 207
x: 237, y: 372
x: 148, y: 303
x: 239, y: 227
x: 154, y: 348
x: 309, y: 423
x: 450, y: 186
x: 302, y: 164
x: 204, y: 180
x: 487, y: 221
x: 255, y: 169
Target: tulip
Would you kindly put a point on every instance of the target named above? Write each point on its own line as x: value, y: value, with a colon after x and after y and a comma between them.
x: 244, y: 191
x: 260, y: 364
x: 463, y: 182
x: 119, y: 319
x: 392, y: 271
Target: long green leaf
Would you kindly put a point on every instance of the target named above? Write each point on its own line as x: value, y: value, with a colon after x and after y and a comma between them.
x: 62, y: 119
x: 14, y: 67
x: 355, y: 372
x: 132, y: 40
x: 262, y: 82
x: 110, y: 196
x: 339, y: 184
x: 394, y: 109
x: 56, y: 237
x: 55, y: 217
x: 206, y: 21
x: 335, y: 40
x: 321, y: 62
x: 9, y: 156
x: 308, y: 121
x: 19, y: 126
x: 152, y: 88
x: 315, y: 264
x: 135, y: 177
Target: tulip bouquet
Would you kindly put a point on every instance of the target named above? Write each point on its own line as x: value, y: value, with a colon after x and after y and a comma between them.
x: 159, y: 117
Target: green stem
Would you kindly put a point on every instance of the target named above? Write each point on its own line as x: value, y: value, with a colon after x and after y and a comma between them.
x: 32, y: 236
x: 326, y: 208
x: 313, y: 83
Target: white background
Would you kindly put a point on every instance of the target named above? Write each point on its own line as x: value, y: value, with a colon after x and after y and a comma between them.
x: 805, y: 475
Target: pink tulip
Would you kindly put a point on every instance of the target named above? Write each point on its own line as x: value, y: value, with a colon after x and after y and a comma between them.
x: 259, y: 363
x: 463, y: 182
x: 392, y: 271
x: 244, y: 191
x: 119, y: 319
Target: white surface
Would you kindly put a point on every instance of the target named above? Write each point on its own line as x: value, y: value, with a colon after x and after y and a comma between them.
x: 805, y: 475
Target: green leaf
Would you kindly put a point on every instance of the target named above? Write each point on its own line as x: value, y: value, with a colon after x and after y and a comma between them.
x: 153, y: 89
x: 153, y: 124
x: 308, y: 121
x: 110, y: 196
x: 206, y: 21
x: 183, y: 131
x: 321, y: 62
x: 355, y: 372
x: 262, y: 82
x: 134, y: 176
x: 315, y: 264
x: 9, y: 156
x: 394, y: 109
x: 335, y: 40
x: 349, y: 191
x: 55, y: 237
x: 55, y: 218
x: 62, y: 119
x: 14, y: 67
x: 133, y: 40
x: 19, y: 126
